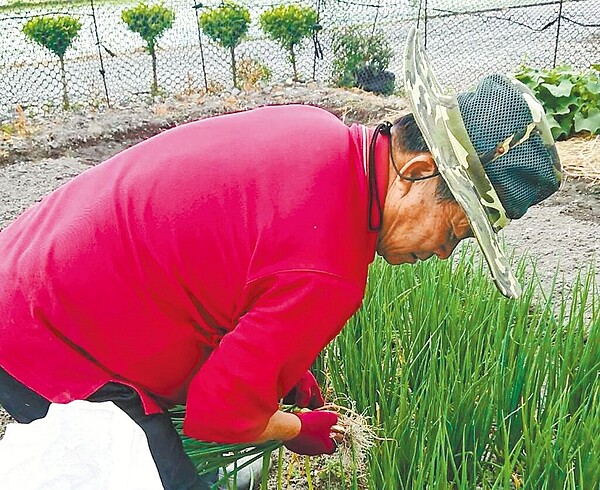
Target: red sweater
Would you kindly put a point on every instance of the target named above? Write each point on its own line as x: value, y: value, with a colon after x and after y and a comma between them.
x: 208, y: 265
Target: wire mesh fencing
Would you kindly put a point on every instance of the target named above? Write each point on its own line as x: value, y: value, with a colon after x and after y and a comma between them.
x: 467, y: 44
x: 31, y: 73
x: 94, y: 53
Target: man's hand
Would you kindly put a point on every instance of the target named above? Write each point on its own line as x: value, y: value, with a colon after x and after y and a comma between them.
x: 306, y: 393
x: 315, y: 435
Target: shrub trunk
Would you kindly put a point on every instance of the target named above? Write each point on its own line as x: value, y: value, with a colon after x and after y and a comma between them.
x: 233, y: 68
x: 63, y: 79
x: 154, y: 86
x: 293, y: 60
x: 154, y: 89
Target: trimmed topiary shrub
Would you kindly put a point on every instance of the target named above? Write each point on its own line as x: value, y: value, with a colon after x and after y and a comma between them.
x: 289, y: 25
x: 227, y: 26
x: 150, y: 22
x: 55, y: 33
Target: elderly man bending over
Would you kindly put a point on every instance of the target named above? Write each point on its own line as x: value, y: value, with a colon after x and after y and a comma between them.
x: 209, y: 265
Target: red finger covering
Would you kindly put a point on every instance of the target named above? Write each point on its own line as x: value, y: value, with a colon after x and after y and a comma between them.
x: 306, y: 393
x: 315, y: 434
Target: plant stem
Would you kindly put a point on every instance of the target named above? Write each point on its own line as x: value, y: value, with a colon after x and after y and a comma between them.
x: 280, y: 469
x: 265, y: 470
x: 308, y: 475
x: 293, y: 60
x: 63, y: 77
x: 154, y: 88
x: 233, y: 69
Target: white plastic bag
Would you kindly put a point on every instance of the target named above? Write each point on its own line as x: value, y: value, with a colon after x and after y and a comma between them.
x: 78, y: 446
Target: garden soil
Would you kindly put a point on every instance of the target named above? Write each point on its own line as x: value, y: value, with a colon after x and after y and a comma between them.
x: 39, y: 153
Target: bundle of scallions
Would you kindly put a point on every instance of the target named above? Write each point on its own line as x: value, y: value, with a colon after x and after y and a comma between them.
x: 210, y: 457
x: 356, y: 436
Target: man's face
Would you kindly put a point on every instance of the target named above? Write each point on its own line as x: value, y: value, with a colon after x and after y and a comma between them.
x: 417, y: 225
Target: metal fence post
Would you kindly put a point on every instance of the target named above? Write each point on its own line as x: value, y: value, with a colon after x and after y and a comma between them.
x: 102, y: 71
x: 560, y: 6
x: 377, y: 7
x: 196, y: 7
x: 318, y: 51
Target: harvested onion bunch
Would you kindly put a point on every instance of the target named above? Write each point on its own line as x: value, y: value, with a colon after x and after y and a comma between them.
x: 352, y: 434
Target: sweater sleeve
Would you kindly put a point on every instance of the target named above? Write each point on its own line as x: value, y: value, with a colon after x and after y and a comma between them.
x: 289, y: 318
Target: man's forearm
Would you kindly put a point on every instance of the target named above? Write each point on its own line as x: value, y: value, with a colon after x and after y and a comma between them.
x: 282, y: 426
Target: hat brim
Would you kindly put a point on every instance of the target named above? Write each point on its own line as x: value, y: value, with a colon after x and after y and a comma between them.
x: 439, y: 118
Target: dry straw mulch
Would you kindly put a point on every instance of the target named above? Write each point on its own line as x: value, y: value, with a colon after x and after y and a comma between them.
x: 580, y: 157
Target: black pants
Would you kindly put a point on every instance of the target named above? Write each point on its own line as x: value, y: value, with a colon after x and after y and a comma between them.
x: 174, y: 466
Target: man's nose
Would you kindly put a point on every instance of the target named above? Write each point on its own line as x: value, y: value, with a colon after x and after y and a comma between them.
x: 446, y: 250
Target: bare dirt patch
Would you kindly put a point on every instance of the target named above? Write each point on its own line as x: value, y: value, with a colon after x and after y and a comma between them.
x: 95, y: 135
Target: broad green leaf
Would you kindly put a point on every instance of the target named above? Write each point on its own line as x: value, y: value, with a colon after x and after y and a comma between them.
x: 563, y: 89
x: 596, y: 66
x: 558, y: 133
x: 565, y: 70
x: 555, y: 128
x: 566, y: 123
x: 590, y: 123
x: 593, y: 86
x: 563, y: 105
x: 529, y: 76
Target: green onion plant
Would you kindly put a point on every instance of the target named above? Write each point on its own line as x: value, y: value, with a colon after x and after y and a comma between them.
x: 469, y: 389
x: 465, y: 389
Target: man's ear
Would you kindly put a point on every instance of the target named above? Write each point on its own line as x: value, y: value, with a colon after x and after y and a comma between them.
x: 419, y: 166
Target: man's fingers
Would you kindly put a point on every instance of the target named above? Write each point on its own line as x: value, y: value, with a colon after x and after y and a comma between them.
x: 337, y: 438
x: 337, y: 433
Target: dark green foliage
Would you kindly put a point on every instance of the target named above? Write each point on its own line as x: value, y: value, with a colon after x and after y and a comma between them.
x: 361, y: 60
x: 55, y: 33
x: 150, y: 22
x: 227, y: 25
x: 289, y: 25
x: 570, y: 98
x: 470, y: 389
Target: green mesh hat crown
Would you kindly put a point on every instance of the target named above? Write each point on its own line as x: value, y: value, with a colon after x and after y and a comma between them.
x: 497, y: 114
x: 493, y: 147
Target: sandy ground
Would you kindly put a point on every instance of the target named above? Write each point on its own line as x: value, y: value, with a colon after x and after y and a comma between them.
x: 562, y: 234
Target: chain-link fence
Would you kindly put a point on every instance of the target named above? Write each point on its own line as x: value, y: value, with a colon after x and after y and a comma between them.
x: 100, y: 58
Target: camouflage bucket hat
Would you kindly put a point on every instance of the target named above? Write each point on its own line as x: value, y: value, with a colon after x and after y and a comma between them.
x: 492, y: 146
